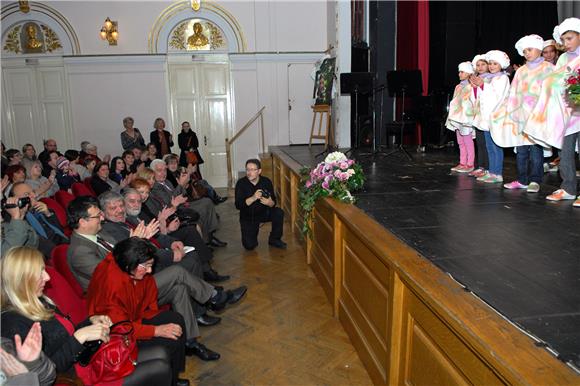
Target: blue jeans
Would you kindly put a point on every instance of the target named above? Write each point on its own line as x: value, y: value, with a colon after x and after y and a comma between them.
x: 495, y: 155
x: 532, y: 156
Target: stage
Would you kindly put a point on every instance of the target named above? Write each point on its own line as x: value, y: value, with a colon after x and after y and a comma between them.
x: 516, y: 251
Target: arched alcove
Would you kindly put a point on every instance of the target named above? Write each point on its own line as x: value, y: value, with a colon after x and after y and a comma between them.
x: 53, y: 32
x: 176, y: 14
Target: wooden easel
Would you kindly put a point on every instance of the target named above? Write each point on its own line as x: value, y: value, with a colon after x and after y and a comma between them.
x: 321, y: 111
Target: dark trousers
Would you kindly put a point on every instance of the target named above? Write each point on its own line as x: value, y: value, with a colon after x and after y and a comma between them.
x: 250, y: 228
x: 568, y: 164
x: 482, y: 160
x: 153, y: 367
x: 531, y: 156
x: 175, y: 348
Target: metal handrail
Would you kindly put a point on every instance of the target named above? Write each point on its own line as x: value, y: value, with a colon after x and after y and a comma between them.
x: 229, y: 142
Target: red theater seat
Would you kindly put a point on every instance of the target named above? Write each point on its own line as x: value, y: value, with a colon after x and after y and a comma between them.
x: 59, y: 261
x: 63, y: 198
x: 60, y: 213
x: 80, y: 189
x: 65, y: 297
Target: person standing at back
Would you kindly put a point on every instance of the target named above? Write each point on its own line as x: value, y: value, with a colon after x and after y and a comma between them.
x: 256, y: 202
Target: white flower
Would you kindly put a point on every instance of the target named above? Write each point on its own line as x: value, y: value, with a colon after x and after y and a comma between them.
x: 350, y: 172
x: 335, y: 157
x: 348, y: 197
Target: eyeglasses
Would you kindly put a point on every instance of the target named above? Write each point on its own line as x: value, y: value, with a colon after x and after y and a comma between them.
x: 252, y: 170
x: 99, y: 215
x: 146, y: 267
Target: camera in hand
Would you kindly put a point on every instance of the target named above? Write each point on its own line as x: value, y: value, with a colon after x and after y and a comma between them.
x: 266, y: 194
x: 22, y: 202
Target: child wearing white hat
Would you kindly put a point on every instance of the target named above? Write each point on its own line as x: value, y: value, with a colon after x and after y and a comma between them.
x: 460, y: 119
x: 552, y: 121
x: 477, y: 81
x: 492, y: 98
x: 522, y: 98
x: 550, y: 51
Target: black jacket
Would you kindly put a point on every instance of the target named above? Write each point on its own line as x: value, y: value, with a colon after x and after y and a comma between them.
x: 256, y: 212
x: 154, y: 139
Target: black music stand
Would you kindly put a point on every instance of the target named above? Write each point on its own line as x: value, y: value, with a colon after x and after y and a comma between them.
x: 403, y: 83
x: 355, y: 83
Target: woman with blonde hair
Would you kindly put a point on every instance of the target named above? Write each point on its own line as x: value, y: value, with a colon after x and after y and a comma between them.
x: 23, y: 276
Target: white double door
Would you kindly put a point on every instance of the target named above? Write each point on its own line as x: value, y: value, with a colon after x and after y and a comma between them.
x: 200, y: 93
x: 35, y: 103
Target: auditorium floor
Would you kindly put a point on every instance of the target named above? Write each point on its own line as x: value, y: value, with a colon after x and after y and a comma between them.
x: 283, y: 332
x: 513, y: 249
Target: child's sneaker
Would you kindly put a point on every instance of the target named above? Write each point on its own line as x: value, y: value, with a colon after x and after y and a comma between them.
x: 577, y: 202
x: 555, y: 162
x: 484, y: 176
x: 465, y: 169
x: 553, y: 169
x: 559, y: 195
x: 533, y: 187
x: 546, y: 167
x: 457, y: 167
x: 494, y: 179
x: 477, y: 172
x: 515, y: 185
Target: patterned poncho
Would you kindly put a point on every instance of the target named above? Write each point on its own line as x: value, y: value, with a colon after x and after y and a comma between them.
x: 551, y: 119
x: 509, y: 122
x: 461, y: 111
x: 491, y: 98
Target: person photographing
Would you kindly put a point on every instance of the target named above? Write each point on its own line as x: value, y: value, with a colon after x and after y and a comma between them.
x: 256, y: 201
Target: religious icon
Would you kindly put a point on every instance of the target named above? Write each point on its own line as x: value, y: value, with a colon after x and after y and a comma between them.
x: 324, y: 82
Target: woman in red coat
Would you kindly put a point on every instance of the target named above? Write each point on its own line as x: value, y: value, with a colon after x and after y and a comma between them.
x: 122, y: 288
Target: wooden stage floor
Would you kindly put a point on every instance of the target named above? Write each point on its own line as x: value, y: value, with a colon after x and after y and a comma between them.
x: 513, y: 249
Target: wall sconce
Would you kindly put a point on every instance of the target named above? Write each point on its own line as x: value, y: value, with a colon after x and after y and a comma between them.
x: 109, y: 32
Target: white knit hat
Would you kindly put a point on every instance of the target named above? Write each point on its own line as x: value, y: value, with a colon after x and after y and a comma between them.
x: 529, y: 41
x: 498, y: 56
x: 465, y: 67
x: 549, y: 42
x: 570, y: 24
x: 476, y: 59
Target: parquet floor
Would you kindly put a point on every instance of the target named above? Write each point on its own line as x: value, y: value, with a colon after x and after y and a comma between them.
x: 283, y: 332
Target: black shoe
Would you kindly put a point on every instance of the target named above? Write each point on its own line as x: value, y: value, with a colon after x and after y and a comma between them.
x: 193, y: 347
x: 237, y: 294
x: 215, y: 277
x: 206, y: 320
x: 182, y: 382
x: 218, y: 302
x: 215, y: 242
x: 278, y: 244
x: 218, y: 200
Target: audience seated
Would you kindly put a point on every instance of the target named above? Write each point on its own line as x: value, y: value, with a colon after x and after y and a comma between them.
x: 16, y: 174
x: 65, y: 175
x: 44, y: 156
x: 42, y: 186
x: 74, y: 158
x: 163, y: 193
x: 14, y: 157
x: 28, y: 155
x: 29, y: 313
x: 100, y: 181
x: 176, y: 285
x: 16, y: 231
x: 26, y: 364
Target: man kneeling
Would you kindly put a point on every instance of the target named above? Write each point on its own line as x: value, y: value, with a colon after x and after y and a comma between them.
x: 256, y: 202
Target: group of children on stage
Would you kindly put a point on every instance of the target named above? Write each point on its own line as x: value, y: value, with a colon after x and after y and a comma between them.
x: 530, y: 115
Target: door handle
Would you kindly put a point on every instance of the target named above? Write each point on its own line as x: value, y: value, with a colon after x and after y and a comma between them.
x: 205, y: 140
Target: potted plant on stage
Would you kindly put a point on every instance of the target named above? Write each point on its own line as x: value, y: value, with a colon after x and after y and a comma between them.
x: 336, y: 177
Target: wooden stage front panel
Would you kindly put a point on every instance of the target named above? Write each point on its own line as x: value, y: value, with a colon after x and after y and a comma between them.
x: 410, y: 323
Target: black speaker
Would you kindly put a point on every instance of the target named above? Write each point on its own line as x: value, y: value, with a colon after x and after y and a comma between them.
x: 359, y: 58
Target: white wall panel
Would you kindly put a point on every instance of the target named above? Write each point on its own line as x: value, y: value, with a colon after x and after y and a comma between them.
x: 23, y: 124
x: 105, y: 90
x: 54, y: 114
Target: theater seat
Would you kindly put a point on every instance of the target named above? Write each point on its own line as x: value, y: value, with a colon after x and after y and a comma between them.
x: 59, y: 261
x: 63, y: 198
x: 59, y: 290
x: 87, y: 182
x: 80, y: 189
x: 60, y: 213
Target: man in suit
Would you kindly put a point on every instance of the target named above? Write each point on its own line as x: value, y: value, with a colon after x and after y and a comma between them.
x: 176, y: 286
x: 163, y: 193
x: 170, y: 229
x: 41, y: 219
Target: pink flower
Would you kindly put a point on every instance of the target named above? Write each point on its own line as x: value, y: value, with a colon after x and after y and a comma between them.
x: 308, y: 184
x: 344, y: 165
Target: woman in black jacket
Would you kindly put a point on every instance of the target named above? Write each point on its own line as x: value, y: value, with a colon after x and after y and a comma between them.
x: 188, y: 142
x: 161, y: 138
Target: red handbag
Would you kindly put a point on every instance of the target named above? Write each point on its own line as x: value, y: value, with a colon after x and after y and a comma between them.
x: 115, y: 359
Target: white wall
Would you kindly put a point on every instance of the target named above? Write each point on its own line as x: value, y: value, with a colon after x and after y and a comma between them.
x: 104, y: 89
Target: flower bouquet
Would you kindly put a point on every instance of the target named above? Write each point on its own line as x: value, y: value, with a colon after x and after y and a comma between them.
x: 573, y: 89
x: 336, y: 177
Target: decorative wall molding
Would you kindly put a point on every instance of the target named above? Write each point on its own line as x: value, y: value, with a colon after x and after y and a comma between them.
x: 175, y: 14
x: 56, y: 31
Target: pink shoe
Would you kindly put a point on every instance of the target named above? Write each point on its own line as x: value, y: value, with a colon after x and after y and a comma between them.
x: 477, y: 172
x: 456, y: 168
x: 515, y: 185
x: 465, y: 169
